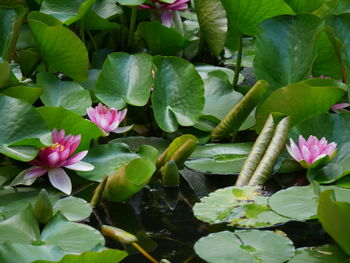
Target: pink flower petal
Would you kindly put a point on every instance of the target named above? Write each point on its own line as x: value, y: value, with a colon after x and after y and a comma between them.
x: 306, y: 154
x: 60, y: 180
x: 53, y: 159
x: 81, y: 166
x: 34, y: 172
x: 75, y: 158
x: 340, y: 106
x: 167, y: 17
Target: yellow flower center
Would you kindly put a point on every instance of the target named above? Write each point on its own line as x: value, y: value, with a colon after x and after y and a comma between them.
x: 57, y: 145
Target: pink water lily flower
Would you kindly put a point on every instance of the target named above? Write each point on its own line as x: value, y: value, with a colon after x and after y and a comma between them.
x: 107, y: 119
x: 310, y: 150
x: 340, y: 106
x: 51, y: 160
x: 167, y: 10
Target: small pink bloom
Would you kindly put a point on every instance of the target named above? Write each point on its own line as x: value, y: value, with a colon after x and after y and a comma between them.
x: 52, y: 158
x: 167, y: 10
x: 107, y: 119
x: 310, y: 150
x: 340, y: 106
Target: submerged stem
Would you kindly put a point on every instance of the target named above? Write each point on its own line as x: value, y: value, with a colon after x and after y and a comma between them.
x: 239, y: 60
x: 144, y: 252
x: 132, y: 25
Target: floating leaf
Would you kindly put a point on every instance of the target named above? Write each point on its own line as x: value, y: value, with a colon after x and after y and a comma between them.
x: 59, y: 47
x: 175, y: 82
x: 73, y: 208
x: 67, y: 11
x: 241, y: 206
x: 246, y: 16
x: 300, y: 6
x: 71, y: 237
x: 11, y: 16
x: 322, y: 254
x: 21, y: 129
x: 107, y: 159
x: 161, y: 40
x: 245, y: 247
x: 66, y: 94
x: 334, y: 214
x: 288, y: 43
x: 125, y: 79
x: 213, y: 23
x: 23, y: 92
x: 319, y: 95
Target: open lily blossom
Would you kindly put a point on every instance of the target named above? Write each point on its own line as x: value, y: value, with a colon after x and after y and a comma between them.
x: 310, y: 150
x: 167, y: 10
x: 51, y: 160
x: 108, y: 119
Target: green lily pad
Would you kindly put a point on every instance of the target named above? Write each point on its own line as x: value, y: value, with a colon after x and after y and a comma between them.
x: 241, y: 206
x: 105, y: 256
x: 107, y: 159
x: 66, y: 94
x: 73, y: 208
x: 322, y: 254
x: 245, y: 246
x: 227, y: 164
x: 71, y: 237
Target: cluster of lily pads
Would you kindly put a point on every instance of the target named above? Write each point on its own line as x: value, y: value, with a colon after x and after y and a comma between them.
x: 104, y: 102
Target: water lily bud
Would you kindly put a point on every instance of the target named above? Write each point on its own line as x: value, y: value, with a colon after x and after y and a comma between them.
x: 170, y: 174
x: 43, y: 208
x: 118, y: 234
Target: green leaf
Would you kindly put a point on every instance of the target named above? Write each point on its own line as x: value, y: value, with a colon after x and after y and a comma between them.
x: 216, y: 150
x: 72, y: 123
x: 135, y: 142
x: 107, y: 159
x: 5, y: 72
x: 11, y: 17
x: 322, y: 254
x: 337, y: 124
x: 247, y: 15
x: 71, y: 237
x: 161, y: 40
x: 66, y: 94
x: 288, y: 43
x: 239, y: 113
x: 21, y: 228
x: 60, y: 48
x: 23, y: 92
x: 125, y: 79
x: 326, y: 62
x: 15, y: 200
x: 301, y: 6
x: 241, y: 206
x: 337, y: 28
x: 130, y: 2
x: 213, y: 23
x: 245, y: 246
x: 319, y: 95
x: 334, y: 215
x: 105, y: 256
x: 28, y: 60
x: 21, y: 128
x: 206, y: 71
x: 216, y: 89
x: 173, y: 102
x: 229, y: 165
x: 67, y: 11
x: 93, y: 21
x: 73, y: 208
x: 25, y: 253
x: 128, y: 180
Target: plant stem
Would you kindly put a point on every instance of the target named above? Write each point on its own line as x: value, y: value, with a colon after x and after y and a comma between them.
x: 132, y: 25
x: 82, y: 30
x: 238, y: 61
x: 92, y: 40
x: 144, y: 252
